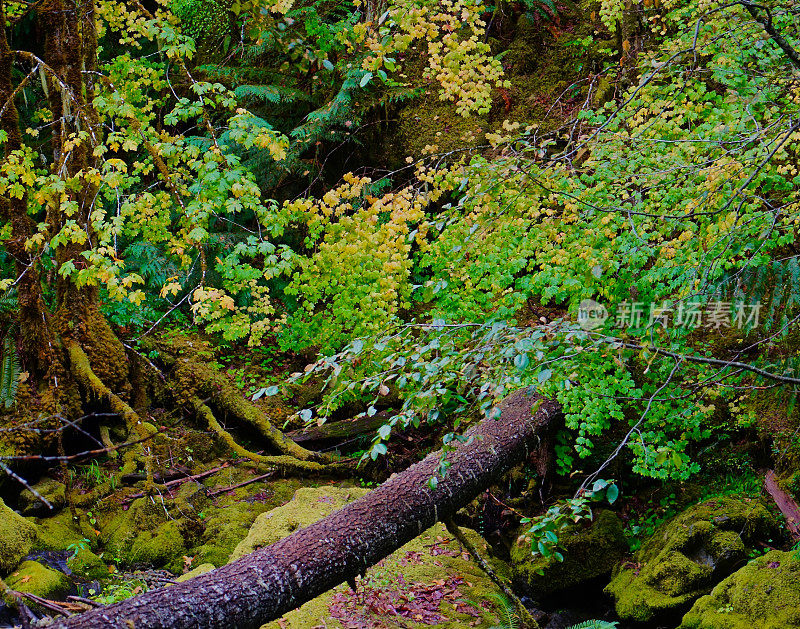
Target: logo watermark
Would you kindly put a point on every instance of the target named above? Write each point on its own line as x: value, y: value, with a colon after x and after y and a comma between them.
x: 689, y: 315
x: 591, y: 314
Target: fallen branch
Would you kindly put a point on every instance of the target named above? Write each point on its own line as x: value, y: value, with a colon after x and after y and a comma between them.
x: 786, y: 504
x: 528, y: 621
x: 278, y: 578
x: 178, y: 481
x: 225, y: 490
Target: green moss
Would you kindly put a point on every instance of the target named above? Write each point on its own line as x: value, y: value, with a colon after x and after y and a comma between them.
x: 227, y: 522
x: 165, y: 546
x: 588, y: 553
x: 308, y: 505
x: 57, y: 532
x: 687, y: 555
x: 53, y: 491
x: 763, y: 594
x: 87, y: 565
x: 17, y: 536
x: 201, y: 569
x: 34, y: 578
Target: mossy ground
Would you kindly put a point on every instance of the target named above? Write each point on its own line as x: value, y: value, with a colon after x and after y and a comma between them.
x: 431, y: 581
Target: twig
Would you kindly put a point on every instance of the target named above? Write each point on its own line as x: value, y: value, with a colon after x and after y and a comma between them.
x: 527, y: 619
x: 224, y: 490
x: 178, y: 481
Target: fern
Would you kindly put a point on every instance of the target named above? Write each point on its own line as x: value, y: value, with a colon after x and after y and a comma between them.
x: 506, y: 611
x: 146, y: 259
x: 594, y: 624
x: 9, y: 371
x: 274, y: 94
x: 775, y: 286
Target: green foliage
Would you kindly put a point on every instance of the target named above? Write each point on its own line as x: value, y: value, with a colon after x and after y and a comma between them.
x: 546, y: 529
x: 594, y: 624
x: 9, y: 371
x: 509, y: 618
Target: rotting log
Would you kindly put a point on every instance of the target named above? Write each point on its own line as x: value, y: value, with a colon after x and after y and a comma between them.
x: 278, y: 578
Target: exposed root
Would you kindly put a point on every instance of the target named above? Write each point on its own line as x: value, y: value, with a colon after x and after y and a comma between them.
x: 197, y: 378
x: 528, y: 621
x: 283, y: 462
x: 82, y: 370
x: 105, y: 437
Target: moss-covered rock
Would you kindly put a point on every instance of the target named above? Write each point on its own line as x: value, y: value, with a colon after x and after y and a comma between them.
x: 17, y: 536
x: 764, y: 594
x: 589, y: 552
x: 57, y: 532
x: 163, y: 546
x: 39, y: 580
x: 431, y: 581
x: 85, y: 564
x: 688, y: 555
x: 308, y: 505
x: 227, y: 521
x: 51, y: 490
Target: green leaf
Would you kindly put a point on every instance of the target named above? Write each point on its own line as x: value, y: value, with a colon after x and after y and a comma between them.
x: 544, y: 375
x: 612, y: 493
x: 377, y: 450
x: 384, y: 431
x: 327, y: 64
x: 521, y: 361
x: 365, y: 79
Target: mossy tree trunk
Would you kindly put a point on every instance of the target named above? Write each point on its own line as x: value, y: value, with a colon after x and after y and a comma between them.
x: 74, y: 358
x: 278, y: 578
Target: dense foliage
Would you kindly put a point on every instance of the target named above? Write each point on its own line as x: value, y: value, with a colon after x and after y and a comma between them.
x: 197, y: 178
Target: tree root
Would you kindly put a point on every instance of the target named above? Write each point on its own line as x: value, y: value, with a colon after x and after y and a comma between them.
x: 283, y: 462
x: 528, y: 621
x: 82, y: 370
x: 198, y: 379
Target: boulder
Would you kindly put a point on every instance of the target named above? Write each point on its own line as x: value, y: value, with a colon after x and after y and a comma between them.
x: 196, y: 572
x: 17, y: 537
x: 164, y: 546
x: 688, y: 555
x: 764, y: 594
x: 308, y: 505
x: 589, y: 552
x: 85, y: 564
x: 39, y: 580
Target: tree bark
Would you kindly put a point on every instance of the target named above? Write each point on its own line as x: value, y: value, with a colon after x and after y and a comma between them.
x: 278, y: 578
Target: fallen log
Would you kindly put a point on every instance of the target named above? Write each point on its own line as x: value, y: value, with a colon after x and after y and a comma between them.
x: 278, y: 578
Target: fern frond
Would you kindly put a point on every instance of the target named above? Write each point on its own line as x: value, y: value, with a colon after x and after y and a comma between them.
x: 506, y: 611
x: 9, y: 371
x: 274, y: 94
x: 594, y: 624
